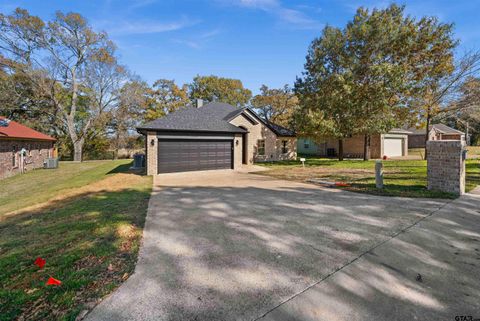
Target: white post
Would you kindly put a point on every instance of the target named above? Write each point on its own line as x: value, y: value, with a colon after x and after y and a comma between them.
x: 379, y: 174
x: 303, y: 162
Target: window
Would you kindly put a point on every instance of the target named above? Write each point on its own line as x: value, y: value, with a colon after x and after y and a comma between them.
x: 284, y: 146
x: 306, y: 144
x: 261, y: 147
x: 14, y: 157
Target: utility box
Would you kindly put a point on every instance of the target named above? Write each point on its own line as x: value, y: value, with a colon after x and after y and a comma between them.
x: 50, y: 163
x: 446, y: 166
x: 138, y: 161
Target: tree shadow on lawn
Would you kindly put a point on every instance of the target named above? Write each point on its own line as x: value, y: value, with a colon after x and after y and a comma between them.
x: 233, y: 253
x: 126, y: 168
x: 80, y: 237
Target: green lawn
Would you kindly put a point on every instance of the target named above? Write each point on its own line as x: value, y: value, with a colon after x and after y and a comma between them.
x: 401, y: 177
x: 85, y: 219
x: 473, y: 152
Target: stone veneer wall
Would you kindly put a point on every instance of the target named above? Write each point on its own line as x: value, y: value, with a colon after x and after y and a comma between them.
x: 37, y: 152
x: 273, y: 143
x: 152, y: 151
x: 446, y: 166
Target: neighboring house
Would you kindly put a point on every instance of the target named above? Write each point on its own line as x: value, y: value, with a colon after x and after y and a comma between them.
x: 416, y: 139
x: 22, y: 148
x: 392, y: 144
x: 214, y: 136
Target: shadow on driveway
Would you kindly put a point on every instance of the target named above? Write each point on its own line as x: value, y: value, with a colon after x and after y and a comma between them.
x: 232, y: 246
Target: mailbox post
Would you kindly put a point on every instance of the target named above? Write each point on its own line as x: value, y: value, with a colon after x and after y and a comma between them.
x: 446, y: 166
x: 379, y: 174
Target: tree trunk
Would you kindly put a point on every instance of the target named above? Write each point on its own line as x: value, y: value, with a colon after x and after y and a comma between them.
x: 427, y: 133
x: 77, y: 150
x: 117, y: 145
x: 366, y: 148
x: 340, y: 149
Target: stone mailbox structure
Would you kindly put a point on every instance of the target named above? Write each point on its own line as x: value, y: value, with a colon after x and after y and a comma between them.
x: 446, y: 166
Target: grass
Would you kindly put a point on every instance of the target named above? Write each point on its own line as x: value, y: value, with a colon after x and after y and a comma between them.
x: 85, y: 219
x: 473, y: 152
x: 420, y: 152
x: 406, y: 178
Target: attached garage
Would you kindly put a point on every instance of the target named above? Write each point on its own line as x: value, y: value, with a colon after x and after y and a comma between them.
x: 393, y: 146
x: 216, y: 136
x: 194, y: 155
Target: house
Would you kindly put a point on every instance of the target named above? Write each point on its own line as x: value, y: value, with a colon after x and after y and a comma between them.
x: 392, y: 144
x: 416, y: 139
x: 22, y: 148
x: 213, y: 136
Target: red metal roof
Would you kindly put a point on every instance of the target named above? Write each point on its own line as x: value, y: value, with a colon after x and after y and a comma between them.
x: 16, y: 130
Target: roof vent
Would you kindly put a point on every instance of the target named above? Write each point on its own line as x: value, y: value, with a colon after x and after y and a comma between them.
x: 4, y: 122
x: 198, y: 103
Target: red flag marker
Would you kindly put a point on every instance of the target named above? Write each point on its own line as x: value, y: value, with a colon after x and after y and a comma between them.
x: 40, y: 262
x: 53, y: 281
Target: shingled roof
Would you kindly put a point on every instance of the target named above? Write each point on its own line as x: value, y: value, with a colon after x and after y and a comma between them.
x: 444, y: 129
x: 12, y: 129
x: 213, y: 117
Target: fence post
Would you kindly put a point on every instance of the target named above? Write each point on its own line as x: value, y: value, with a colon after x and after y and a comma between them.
x: 379, y: 174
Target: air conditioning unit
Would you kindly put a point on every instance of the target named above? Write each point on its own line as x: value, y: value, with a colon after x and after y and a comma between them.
x: 50, y: 163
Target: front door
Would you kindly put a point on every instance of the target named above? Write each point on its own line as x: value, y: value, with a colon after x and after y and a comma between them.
x: 244, y: 149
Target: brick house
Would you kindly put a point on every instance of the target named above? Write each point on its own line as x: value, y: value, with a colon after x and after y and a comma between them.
x: 22, y: 148
x: 416, y: 138
x: 214, y: 136
x: 392, y: 144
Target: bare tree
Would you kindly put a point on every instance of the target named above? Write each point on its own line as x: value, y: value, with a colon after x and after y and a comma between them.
x: 445, y: 95
x: 67, y: 62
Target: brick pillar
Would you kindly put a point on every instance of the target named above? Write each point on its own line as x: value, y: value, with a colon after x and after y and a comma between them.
x: 446, y: 166
x: 152, y: 156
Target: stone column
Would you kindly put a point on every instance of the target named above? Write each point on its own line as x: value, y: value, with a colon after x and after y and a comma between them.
x: 152, y: 154
x: 446, y: 166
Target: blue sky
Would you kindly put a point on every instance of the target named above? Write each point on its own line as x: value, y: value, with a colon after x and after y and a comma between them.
x: 256, y: 41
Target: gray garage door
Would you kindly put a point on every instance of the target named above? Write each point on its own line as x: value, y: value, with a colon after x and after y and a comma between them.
x: 194, y: 155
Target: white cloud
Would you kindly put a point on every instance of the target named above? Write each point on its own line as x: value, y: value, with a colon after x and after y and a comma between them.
x: 188, y: 43
x: 293, y: 17
x: 200, y: 40
x: 210, y: 34
x: 127, y: 27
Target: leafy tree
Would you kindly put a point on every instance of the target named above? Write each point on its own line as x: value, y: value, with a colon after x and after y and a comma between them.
x: 68, y: 63
x: 365, y: 78
x: 167, y: 98
x: 135, y: 100
x: 276, y: 105
x: 226, y: 90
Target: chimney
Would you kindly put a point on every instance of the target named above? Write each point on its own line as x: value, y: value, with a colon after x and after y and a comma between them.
x: 198, y: 103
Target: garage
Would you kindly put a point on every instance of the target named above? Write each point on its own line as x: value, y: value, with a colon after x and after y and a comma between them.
x: 176, y: 155
x: 393, y: 146
x: 216, y: 136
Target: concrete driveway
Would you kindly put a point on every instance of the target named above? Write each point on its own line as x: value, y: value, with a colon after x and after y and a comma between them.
x: 224, y: 245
